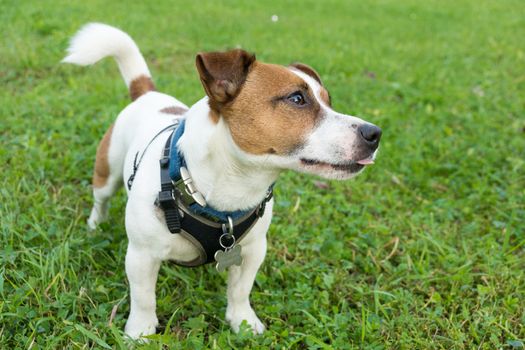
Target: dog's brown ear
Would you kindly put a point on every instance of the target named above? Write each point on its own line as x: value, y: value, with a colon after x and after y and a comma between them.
x: 223, y: 73
x: 307, y: 70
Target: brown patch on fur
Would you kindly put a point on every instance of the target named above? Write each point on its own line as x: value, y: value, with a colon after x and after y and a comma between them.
x: 214, y: 116
x: 325, y: 96
x: 101, y: 173
x: 176, y: 110
x: 139, y: 86
x: 261, y: 118
x: 306, y: 69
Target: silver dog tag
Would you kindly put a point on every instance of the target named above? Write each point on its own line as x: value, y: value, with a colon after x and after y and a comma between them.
x: 228, y: 258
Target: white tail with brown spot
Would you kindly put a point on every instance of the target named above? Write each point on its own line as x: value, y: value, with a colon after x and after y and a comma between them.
x: 96, y: 40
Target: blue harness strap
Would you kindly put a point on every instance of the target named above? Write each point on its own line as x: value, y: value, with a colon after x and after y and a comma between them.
x: 176, y: 160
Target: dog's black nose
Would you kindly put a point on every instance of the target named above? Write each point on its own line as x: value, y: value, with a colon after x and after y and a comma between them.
x: 371, y: 134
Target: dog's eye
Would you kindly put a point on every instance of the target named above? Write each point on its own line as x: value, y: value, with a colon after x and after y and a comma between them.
x: 297, y: 98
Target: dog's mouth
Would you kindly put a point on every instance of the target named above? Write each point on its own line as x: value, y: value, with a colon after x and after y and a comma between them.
x: 350, y: 167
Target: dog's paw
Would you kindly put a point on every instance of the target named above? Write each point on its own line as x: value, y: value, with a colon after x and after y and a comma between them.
x: 92, y: 224
x: 96, y: 218
x: 137, y: 327
x: 235, y: 318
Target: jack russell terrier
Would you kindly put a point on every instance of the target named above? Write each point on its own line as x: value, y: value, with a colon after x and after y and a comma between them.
x: 199, y: 179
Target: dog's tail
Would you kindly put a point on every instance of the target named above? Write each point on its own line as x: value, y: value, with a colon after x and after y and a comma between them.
x: 95, y: 41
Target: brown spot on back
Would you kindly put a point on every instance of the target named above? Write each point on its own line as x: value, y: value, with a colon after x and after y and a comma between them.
x: 101, y: 173
x: 262, y: 120
x: 139, y: 86
x: 176, y: 110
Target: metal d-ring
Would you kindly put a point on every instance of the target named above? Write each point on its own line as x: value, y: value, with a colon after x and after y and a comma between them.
x: 228, y: 229
x: 225, y: 235
x: 227, y: 232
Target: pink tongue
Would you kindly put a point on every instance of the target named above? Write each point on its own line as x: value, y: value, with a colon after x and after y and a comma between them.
x: 365, y: 161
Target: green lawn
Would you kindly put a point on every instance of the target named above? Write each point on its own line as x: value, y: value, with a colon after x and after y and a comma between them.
x: 425, y: 250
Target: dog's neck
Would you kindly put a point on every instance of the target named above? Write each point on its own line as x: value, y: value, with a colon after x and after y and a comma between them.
x: 228, y: 178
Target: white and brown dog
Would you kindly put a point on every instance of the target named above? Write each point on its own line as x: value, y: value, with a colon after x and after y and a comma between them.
x: 257, y: 120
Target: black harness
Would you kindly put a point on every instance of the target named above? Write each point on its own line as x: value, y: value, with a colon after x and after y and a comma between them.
x: 208, y: 234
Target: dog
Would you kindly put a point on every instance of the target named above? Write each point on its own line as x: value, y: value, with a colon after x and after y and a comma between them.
x: 256, y: 120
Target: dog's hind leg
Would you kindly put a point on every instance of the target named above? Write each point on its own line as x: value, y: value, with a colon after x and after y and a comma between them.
x: 107, y: 177
x: 142, y: 270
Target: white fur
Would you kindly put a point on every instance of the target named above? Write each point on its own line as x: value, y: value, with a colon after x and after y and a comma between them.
x: 228, y: 177
x: 96, y: 41
x: 333, y: 141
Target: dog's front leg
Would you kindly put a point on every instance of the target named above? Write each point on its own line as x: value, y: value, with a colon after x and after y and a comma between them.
x: 142, y: 270
x: 240, y: 282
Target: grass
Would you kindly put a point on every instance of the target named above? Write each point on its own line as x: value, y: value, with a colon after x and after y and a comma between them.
x: 425, y: 250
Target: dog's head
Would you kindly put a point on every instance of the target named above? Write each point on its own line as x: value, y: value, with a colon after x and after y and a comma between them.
x: 283, y: 115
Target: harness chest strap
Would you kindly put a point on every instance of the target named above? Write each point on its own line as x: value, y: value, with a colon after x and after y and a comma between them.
x: 181, y: 217
x: 167, y: 199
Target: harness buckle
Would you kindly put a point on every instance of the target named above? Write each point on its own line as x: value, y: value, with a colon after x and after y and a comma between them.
x: 189, y: 187
x: 164, y: 162
x: 167, y: 200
